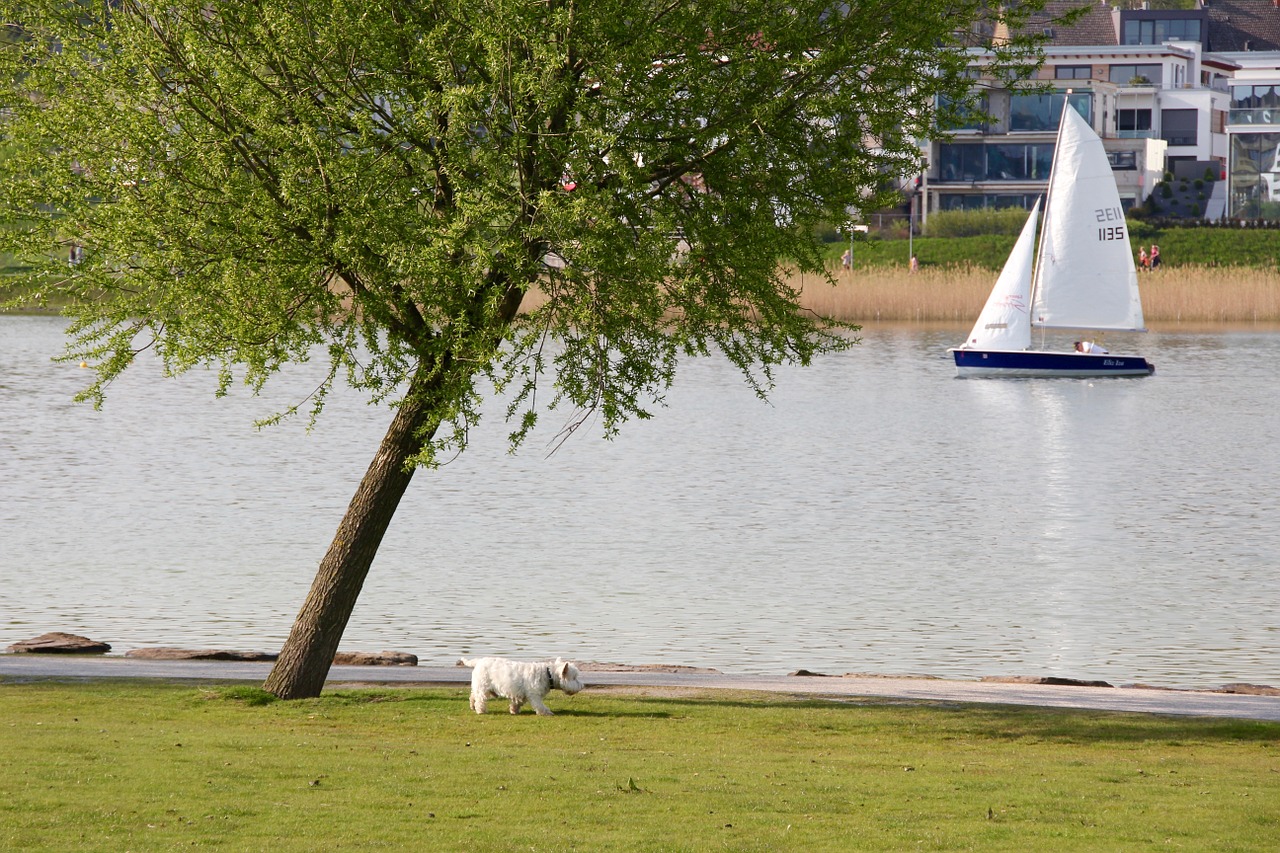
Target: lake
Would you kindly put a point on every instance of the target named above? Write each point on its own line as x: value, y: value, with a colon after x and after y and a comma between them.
x: 878, y: 515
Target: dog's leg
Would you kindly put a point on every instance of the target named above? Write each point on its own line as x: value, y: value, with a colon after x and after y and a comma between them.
x: 540, y: 707
x: 478, y: 703
x: 517, y: 704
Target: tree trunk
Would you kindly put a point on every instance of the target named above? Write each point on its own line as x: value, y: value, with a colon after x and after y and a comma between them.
x: 303, y: 665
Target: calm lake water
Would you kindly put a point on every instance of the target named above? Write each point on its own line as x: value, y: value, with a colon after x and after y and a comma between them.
x: 878, y: 515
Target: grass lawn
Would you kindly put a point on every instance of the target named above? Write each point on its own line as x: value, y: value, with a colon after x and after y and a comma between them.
x: 148, y: 766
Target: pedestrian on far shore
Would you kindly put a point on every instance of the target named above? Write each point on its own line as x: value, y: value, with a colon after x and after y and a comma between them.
x: 1155, y: 257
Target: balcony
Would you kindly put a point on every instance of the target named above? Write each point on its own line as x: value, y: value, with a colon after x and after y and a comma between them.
x: 1263, y: 116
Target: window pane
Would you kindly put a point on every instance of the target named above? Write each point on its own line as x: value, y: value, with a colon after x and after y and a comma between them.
x: 1178, y: 127
x: 1042, y: 161
x: 1031, y: 112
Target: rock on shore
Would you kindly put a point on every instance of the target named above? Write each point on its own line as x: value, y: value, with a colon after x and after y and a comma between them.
x: 166, y: 653
x: 57, y: 642
x: 340, y: 659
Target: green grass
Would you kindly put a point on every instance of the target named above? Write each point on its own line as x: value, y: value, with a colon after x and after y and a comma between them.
x: 1254, y: 248
x: 144, y: 766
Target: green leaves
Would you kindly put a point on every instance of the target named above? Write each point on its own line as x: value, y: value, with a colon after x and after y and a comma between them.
x: 381, y: 184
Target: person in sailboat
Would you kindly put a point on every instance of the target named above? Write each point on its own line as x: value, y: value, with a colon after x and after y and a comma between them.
x: 1090, y: 348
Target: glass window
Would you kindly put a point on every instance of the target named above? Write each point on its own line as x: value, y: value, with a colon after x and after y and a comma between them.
x: 967, y: 162
x: 1137, y: 75
x: 1073, y: 72
x: 1041, y: 161
x: 1123, y: 161
x: 1178, y: 127
x: 1044, y: 112
x: 957, y: 115
x: 977, y: 201
x: 960, y: 162
x: 1255, y: 175
x: 1133, y: 124
x: 1255, y: 104
x: 1155, y: 31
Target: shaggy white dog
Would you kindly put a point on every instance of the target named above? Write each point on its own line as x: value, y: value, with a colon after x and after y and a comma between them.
x: 520, y: 682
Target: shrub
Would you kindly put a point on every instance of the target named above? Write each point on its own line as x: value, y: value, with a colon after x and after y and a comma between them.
x: 1199, y: 184
x: 1210, y: 175
x: 1166, y: 191
x: 972, y: 223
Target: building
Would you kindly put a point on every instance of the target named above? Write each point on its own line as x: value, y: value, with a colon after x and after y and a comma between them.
x: 1183, y: 92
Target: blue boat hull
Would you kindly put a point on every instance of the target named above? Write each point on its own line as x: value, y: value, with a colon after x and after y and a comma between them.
x: 978, y: 362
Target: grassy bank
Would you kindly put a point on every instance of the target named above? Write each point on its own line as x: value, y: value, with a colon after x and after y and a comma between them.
x: 1196, y: 247
x: 124, y: 766
x: 1182, y: 295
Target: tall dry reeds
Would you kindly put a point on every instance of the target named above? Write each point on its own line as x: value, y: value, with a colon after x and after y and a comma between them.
x: 1184, y: 294
x: 1190, y: 294
x: 887, y: 294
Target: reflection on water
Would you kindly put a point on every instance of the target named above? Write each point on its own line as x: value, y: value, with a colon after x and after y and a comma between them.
x: 879, y: 515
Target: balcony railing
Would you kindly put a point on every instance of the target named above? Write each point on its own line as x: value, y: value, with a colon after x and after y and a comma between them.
x: 1265, y: 115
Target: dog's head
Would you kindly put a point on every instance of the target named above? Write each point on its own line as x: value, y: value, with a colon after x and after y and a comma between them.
x: 566, y: 676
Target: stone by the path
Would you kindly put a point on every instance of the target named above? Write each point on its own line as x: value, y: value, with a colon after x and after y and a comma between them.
x: 808, y: 673
x: 1043, y: 679
x: 375, y: 659
x: 166, y: 653
x: 340, y: 659
x: 1250, y: 689
x: 601, y: 666
x: 57, y: 642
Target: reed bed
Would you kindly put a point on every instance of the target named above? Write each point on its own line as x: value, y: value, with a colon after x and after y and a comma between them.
x: 897, y: 295
x: 1185, y: 294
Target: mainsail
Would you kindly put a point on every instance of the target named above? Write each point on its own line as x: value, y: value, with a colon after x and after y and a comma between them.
x: 1005, y: 321
x: 1085, y: 276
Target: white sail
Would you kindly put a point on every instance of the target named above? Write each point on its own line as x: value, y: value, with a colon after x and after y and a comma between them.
x: 1005, y: 321
x: 1085, y: 276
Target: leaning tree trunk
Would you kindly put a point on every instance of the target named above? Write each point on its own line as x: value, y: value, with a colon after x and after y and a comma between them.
x: 303, y: 665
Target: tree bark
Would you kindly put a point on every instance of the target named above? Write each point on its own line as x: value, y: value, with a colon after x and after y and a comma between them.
x: 303, y: 664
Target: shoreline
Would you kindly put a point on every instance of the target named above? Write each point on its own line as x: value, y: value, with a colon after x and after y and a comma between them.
x: 17, y: 668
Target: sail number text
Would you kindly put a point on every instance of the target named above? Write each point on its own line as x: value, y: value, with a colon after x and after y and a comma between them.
x: 1111, y: 232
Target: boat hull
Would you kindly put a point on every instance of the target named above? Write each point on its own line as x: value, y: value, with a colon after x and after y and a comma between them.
x: 1015, y: 363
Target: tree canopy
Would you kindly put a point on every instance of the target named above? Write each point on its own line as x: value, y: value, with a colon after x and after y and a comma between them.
x: 383, y: 184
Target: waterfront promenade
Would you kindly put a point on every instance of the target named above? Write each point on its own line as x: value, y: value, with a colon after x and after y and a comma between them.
x: 1143, y: 700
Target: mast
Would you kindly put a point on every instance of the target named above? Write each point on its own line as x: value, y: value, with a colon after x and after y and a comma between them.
x: 1048, y: 212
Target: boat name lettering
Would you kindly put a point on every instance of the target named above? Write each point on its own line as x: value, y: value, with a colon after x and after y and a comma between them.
x: 1109, y: 214
x: 1112, y: 232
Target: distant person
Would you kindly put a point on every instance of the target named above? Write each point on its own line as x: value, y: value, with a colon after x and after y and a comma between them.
x: 1090, y: 348
x: 1142, y: 259
x: 1155, y: 257
x: 914, y: 264
x: 846, y: 260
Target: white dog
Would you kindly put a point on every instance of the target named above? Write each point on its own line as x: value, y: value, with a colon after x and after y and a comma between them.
x: 520, y: 682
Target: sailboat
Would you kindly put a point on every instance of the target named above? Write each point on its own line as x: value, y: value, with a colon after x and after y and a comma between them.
x: 1081, y: 276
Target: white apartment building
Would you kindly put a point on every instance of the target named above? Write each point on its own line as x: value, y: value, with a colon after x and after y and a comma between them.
x: 1157, y: 96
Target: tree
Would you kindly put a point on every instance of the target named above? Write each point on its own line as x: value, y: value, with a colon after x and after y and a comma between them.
x: 382, y: 184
